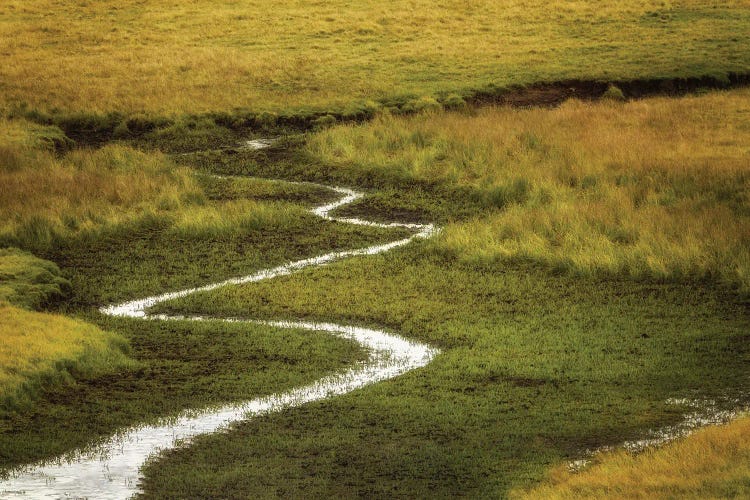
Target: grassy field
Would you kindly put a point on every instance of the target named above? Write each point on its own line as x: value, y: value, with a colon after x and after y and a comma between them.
x: 593, y: 261
x: 712, y: 463
x: 151, y: 58
x: 127, y: 242
x: 549, y: 350
x: 536, y: 369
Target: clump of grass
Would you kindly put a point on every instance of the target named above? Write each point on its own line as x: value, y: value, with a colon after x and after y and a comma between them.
x: 46, y: 197
x: 657, y: 188
x: 28, y: 281
x: 234, y: 218
x: 712, y: 463
x: 613, y: 93
x: 39, y: 352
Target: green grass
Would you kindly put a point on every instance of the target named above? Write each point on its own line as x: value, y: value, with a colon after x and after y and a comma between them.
x: 28, y: 281
x: 42, y: 351
x: 535, y: 370
x: 180, y: 366
x: 228, y: 228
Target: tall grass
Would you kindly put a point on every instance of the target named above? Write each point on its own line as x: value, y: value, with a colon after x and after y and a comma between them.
x: 234, y: 218
x: 157, y: 57
x: 712, y: 463
x: 45, y: 196
x: 657, y: 188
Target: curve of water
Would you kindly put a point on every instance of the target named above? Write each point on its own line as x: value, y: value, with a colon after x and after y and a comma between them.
x: 112, y: 471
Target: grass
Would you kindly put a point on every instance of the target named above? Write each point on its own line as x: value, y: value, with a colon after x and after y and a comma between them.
x: 45, y: 352
x: 156, y: 59
x: 587, y: 271
x: 653, y: 189
x: 549, y: 349
x: 168, y: 228
x: 535, y: 370
x: 28, y: 281
x: 712, y: 463
x: 47, y: 197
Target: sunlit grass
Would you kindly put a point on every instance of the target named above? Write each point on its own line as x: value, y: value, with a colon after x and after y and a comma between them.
x: 45, y: 195
x: 166, y: 58
x: 44, y: 350
x: 712, y: 463
x: 653, y: 188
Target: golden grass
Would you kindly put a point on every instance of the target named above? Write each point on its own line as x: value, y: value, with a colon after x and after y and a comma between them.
x: 656, y: 188
x: 44, y: 194
x: 43, y: 349
x: 206, y: 55
x: 712, y: 463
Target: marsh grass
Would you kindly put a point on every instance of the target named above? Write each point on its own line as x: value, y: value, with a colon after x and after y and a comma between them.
x: 40, y: 351
x: 47, y: 197
x: 535, y: 369
x: 656, y: 188
x: 43, y: 352
x: 28, y: 281
x: 285, y: 56
x: 712, y: 463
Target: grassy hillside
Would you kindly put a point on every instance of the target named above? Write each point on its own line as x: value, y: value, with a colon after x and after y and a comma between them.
x: 157, y: 58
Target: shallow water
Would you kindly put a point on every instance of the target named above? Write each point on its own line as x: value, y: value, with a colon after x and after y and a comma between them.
x: 112, y: 470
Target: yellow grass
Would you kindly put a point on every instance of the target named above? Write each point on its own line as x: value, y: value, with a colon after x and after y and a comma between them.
x: 659, y: 187
x: 38, y: 348
x: 175, y: 57
x: 44, y: 194
x: 712, y: 463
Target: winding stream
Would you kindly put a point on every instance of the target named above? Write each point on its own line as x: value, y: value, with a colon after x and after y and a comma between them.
x: 112, y: 470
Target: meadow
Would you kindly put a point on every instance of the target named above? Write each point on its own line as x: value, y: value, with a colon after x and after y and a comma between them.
x: 156, y: 59
x: 592, y: 266
x: 551, y: 349
x: 123, y: 223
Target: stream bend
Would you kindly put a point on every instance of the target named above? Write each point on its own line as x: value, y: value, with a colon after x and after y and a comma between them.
x: 112, y: 471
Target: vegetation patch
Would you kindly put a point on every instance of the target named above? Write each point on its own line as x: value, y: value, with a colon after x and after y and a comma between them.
x: 43, y: 352
x: 712, y: 463
x: 29, y: 282
x: 535, y: 370
x: 573, y: 341
x: 47, y: 197
x: 655, y: 188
